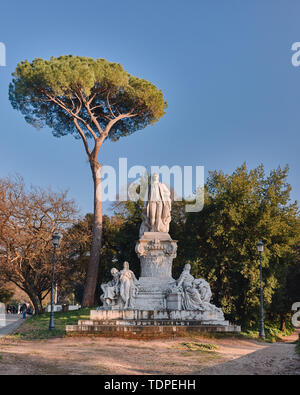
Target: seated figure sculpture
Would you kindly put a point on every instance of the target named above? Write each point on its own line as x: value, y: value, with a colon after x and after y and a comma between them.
x: 195, y: 293
x: 111, y: 290
x: 203, y: 288
x: 120, y: 292
x: 191, y: 298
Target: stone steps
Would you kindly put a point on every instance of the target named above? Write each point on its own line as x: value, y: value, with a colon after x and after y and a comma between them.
x: 146, y: 331
x: 149, y: 323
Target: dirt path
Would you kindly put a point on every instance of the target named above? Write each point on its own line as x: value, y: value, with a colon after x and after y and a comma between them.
x: 94, y: 355
x: 268, y: 359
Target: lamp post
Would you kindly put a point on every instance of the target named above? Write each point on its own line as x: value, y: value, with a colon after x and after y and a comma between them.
x: 260, y: 248
x: 55, y: 241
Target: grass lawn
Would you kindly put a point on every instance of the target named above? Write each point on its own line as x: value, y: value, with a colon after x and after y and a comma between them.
x: 37, y: 326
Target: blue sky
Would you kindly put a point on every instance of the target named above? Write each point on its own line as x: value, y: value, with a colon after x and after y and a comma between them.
x: 224, y: 68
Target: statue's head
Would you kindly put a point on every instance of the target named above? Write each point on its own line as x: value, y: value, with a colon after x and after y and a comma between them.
x: 155, y: 177
x: 197, y: 282
x: 187, y: 267
x: 114, y: 271
x: 126, y: 265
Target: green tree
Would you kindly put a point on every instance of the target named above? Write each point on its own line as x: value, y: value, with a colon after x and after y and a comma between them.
x: 91, y: 99
x: 288, y: 290
x: 78, y: 240
x: 112, y: 251
x: 5, y: 294
x: 221, y: 240
x: 130, y: 215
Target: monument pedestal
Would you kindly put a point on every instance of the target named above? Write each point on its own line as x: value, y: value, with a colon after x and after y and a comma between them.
x: 157, y: 310
x: 149, y: 324
x: 149, y: 300
x: 156, y: 251
x: 173, y: 301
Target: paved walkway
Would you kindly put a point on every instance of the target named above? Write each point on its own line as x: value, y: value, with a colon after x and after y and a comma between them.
x: 13, y: 321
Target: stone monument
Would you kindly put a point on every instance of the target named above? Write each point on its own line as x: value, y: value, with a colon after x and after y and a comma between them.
x: 156, y: 300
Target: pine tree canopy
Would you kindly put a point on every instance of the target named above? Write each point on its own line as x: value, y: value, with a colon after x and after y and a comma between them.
x: 99, y: 96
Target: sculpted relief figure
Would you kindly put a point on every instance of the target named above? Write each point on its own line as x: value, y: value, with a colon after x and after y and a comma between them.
x: 111, y: 290
x: 128, y: 286
x: 121, y: 290
x: 196, y: 293
x: 191, y: 298
x: 203, y: 289
x: 157, y: 212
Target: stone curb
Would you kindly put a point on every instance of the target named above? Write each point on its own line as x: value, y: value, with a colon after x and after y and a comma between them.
x: 11, y: 327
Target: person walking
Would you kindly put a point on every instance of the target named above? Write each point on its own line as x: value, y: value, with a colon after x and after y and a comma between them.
x: 23, y: 310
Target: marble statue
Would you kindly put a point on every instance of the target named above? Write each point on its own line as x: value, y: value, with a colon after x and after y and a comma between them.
x: 191, y: 298
x: 111, y: 290
x: 128, y: 286
x: 157, y: 211
x: 203, y: 289
x: 185, y: 299
x: 195, y: 292
x: 121, y: 290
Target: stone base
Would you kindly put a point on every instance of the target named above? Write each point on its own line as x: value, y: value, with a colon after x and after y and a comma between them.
x: 147, y: 332
x: 166, y: 315
x: 173, y: 301
x: 150, y: 300
x: 151, y: 295
x: 156, y: 235
x: 156, y: 252
x: 149, y: 323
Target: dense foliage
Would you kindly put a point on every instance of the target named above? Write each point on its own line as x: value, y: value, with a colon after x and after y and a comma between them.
x: 221, y: 242
x: 53, y: 92
x: 5, y: 294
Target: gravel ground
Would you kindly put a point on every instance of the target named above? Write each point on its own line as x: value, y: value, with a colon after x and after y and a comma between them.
x: 94, y: 355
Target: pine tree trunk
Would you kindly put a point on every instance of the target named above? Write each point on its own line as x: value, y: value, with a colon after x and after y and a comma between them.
x: 93, y: 266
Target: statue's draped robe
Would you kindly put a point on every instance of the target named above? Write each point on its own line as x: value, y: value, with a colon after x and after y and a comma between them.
x: 158, y: 205
x: 128, y: 286
x: 191, y: 298
x: 204, y: 289
x: 110, y: 290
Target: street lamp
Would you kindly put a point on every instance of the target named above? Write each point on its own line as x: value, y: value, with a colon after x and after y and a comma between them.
x: 260, y: 248
x: 55, y: 242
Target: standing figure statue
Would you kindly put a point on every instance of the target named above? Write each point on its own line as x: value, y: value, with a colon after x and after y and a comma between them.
x: 128, y: 286
x: 111, y: 290
x: 157, y: 211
